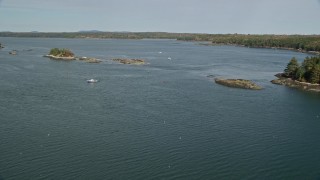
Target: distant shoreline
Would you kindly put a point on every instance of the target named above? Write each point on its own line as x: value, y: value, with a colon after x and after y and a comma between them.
x: 299, y: 43
x: 266, y: 47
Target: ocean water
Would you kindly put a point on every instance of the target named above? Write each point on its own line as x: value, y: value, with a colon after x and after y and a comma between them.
x: 162, y: 120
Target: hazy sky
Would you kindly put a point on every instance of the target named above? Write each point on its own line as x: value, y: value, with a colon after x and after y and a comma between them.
x: 196, y: 16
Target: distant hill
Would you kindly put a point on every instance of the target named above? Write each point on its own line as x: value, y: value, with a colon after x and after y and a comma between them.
x: 90, y: 31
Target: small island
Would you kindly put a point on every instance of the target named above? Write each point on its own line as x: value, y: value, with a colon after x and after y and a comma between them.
x: 1, y: 46
x: 238, y: 83
x: 305, y: 76
x: 61, y: 54
x: 129, y: 61
x: 66, y: 54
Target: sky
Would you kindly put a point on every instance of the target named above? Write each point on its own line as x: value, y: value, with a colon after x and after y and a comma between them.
x: 185, y: 16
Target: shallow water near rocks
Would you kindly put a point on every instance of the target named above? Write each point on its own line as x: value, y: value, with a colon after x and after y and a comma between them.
x: 162, y: 120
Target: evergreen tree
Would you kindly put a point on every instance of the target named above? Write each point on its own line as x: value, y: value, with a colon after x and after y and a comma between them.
x: 292, y: 68
x: 315, y: 74
x: 309, y: 64
x: 300, y: 74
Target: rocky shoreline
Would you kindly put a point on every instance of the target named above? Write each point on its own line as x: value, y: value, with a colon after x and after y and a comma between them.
x: 238, y: 83
x: 85, y: 59
x: 60, y: 57
x: 296, y: 84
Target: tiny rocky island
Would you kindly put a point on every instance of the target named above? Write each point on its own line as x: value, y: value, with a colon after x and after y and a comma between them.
x: 238, y: 83
x: 66, y: 54
x: 129, y: 61
x: 305, y: 76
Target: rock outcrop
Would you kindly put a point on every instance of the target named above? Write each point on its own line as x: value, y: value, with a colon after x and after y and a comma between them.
x: 129, y: 61
x: 89, y: 59
x: 238, y: 83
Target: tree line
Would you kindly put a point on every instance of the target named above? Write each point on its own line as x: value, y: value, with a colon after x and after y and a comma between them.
x: 298, y: 42
x: 307, y: 71
x: 305, y: 43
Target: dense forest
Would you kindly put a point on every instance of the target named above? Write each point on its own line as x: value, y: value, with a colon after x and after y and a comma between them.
x: 294, y: 42
x: 303, y: 43
x: 308, y: 71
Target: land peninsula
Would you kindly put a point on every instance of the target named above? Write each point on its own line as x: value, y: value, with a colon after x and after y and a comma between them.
x: 305, y: 76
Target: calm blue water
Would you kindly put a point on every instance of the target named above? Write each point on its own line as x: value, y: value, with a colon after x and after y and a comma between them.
x: 163, y: 120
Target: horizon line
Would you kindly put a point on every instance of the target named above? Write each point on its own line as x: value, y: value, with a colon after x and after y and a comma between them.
x: 99, y: 31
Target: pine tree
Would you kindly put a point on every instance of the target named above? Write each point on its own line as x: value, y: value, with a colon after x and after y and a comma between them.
x: 309, y: 65
x: 292, y: 68
x: 300, y: 74
x: 315, y: 74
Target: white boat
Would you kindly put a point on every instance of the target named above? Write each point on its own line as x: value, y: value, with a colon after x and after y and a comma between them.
x: 169, y: 58
x: 92, y: 81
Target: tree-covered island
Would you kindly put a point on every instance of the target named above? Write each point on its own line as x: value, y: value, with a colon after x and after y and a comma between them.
x: 61, y: 54
x: 67, y: 54
x: 304, y: 76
